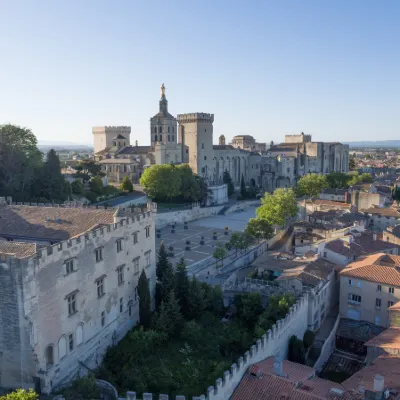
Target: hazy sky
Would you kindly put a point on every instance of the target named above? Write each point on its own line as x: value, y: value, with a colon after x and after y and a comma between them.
x: 264, y: 68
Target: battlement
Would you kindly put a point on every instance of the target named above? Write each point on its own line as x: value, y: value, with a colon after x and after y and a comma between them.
x: 302, y: 138
x: 111, y: 129
x: 271, y: 343
x: 195, y: 117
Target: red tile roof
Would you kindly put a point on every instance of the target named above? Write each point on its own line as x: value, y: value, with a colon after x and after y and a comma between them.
x: 17, y: 249
x: 395, y: 307
x: 390, y: 338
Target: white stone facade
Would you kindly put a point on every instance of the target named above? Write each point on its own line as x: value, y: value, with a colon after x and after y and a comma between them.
x: 62, y: 307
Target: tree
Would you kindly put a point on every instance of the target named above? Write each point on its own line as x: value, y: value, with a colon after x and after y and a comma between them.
x: 259, y: 229
x: 308, y: 338
x: 243, y: 191
x: 226, y: 178
x: 338, y: 180
x: 236, y: 241
x: 96, y: 185
x: 296, y: 351
x: 88, y: 169
x: 77, y: 186
x: 21, y: 394
x: 169, y: 318
x: 220, y: 253
x: 312, y: 185
x: 196, y: 302
x: 352, y: 162
x: 277, y: 207
x: 396, y: 193
x: 248, y: 307
x: 126, y: 185
x: 144, y: 300
x: 182, y: 286
x: 162, y: 262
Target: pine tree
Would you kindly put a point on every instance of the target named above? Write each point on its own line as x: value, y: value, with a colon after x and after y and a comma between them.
x: 182, y: 286
x: 162, y: 262
x: 196, y: 299
x: 144, y: 300
x: 243, y: 191
x: 169, y: 318
x: 226, y: 178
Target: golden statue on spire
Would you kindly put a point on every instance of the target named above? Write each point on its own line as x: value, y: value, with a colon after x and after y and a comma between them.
x: 162, y: 90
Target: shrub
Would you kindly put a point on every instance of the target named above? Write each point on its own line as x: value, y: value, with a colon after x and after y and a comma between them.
x: 20, y: 394
x: 91, y: 196
x: 308, y: 338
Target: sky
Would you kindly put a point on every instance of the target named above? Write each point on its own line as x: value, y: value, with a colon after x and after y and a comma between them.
x: 263, y: 68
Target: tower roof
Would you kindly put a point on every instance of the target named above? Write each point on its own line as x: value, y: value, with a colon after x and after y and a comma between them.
x: 163, y: 106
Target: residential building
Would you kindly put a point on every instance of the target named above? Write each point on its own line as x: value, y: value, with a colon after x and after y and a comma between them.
x: 369, y: 287
x: 380, y: 219
x: 69, y: 280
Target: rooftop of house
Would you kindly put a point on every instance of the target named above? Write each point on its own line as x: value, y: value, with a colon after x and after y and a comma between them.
x: 386, y: 366
x: 50, y: 223
x: 309, y: 226
x: 335, y: 191
x: 296, y: 382
x: 358, y: 244
x: 362, y: 331
x: 340, y: 216
x: 329, y: 203
x: 379, y: 268
x: 389, y: 338
x: 384, y: 212
x: 18, y: 249
x: 395, y: 307
x: 395, y: 230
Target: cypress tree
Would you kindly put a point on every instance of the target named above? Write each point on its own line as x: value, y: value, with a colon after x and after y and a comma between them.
x: 243, y: 191
x: 182, y: 286
x: 162, y: 262
x: 144, y: 300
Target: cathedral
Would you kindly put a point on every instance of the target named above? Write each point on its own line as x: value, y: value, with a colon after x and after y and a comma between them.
x: 188, y: 138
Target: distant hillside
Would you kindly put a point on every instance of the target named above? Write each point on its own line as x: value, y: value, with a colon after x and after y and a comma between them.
x: 375, y: 144
x: 46, y: 146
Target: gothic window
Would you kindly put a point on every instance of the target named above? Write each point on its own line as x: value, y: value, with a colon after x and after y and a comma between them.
x: 62, y: 347
x: 173, y: 137
x: 114, y: 143
x: 159, y: 129
x: 155, y: 138
x: 169, y: 137
x: 173, y: 130
x: 155, y: 129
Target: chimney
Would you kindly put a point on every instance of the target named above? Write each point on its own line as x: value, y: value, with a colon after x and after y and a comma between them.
x: 374, y: 237
x: 379, y: 383
x: 378, y: 392
x: 278, y: 367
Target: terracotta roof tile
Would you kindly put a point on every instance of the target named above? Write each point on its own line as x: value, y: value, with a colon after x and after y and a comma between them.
x: 395, y: 307
x: 390, y: 338
x: 18, y: 249
x: 384, y: 212
x: 52, y: 223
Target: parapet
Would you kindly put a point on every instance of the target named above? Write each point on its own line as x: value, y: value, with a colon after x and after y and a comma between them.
x: 195, y: 117
x: 111, y: 129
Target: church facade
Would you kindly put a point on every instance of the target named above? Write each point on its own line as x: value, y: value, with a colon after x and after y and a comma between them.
x: 188, y: 138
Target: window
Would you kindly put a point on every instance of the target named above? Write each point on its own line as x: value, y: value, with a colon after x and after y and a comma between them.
x: 202, y: 145
x: 379, y: 288
x: 121, y: 305
x: 325, y: 254
x: 119, y: 245
x: 168, y: 132
x: 205, y: 157
x: 71, y: 299
x: 49, y: 354
x: 169, y: 137
x: 354, y: 298
x: 136, y: 293
x: 136, y: 265
x: 349, y: 282
x: 120, y: 273
x: 173, y: 130
x: 99, y: 254
x: 155, y: 137
x: 62, y: 347
x: 147, y: 261
x: 155, y: 129
x: 69, y: 266
x: 103, y: 318
x: 71, y: 341
x: 100, y: 287
x: 390, y: 303
x: 135, y: 238
x: 130, y: 310
x: 391, y: 290
x: 147, y: 231
x: 79, y: 334
x: 173, y: 137
x: 159, y: 129
x: 378, y: 303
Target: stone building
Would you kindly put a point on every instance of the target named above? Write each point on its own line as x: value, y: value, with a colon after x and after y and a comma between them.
x: 189, y: 138
x: 69, y: 281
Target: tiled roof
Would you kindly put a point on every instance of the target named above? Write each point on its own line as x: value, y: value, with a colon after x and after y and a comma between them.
x: 358, y: 330
x: 390, y: 338
x: 387, y: 366
x: 297, y: 383
x: 382, y: 269
x: 18, y: 249
x: 384, y: 212
x: 136, y: 150
x: 395, y: 307
x: 320, y: 202
x: 52, y: 223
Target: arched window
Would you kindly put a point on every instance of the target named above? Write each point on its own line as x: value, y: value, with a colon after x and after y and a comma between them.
x: 173, y: 138
x: 159, y: 129
x: 155, y: 129
x: 49, y: 355
x: 79, y: 334
x: 62, y: 348
x: 169, y: 138
x: 168, y: 129
x: 155, y: 138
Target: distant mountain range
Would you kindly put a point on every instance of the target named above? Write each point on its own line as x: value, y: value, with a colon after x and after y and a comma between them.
x: 375, y: 144
x: 47, y: 145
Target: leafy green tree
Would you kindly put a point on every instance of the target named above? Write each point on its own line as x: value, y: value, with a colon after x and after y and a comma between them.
x: 338, y: 180
x: 236, y: 241
x: 21, y: 394
x: 312, y: 185
x: 248, y: 307
x: 96, y: 185
x: 126, y: 185
x: 352, y: 162
x: 196, y: 300
x: 308, y: 338
x: 264, y: 323
x: 259, y: 229
x: 88, y: 169
x: 219, y: 253
x: 243, y: 191
x: 276, y: 208
x: 296, y: 351
x: 144, y: 300
x: 77, y: 186
x: 182, y: 286
x: 226, y: 178
x: 169, y: 318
